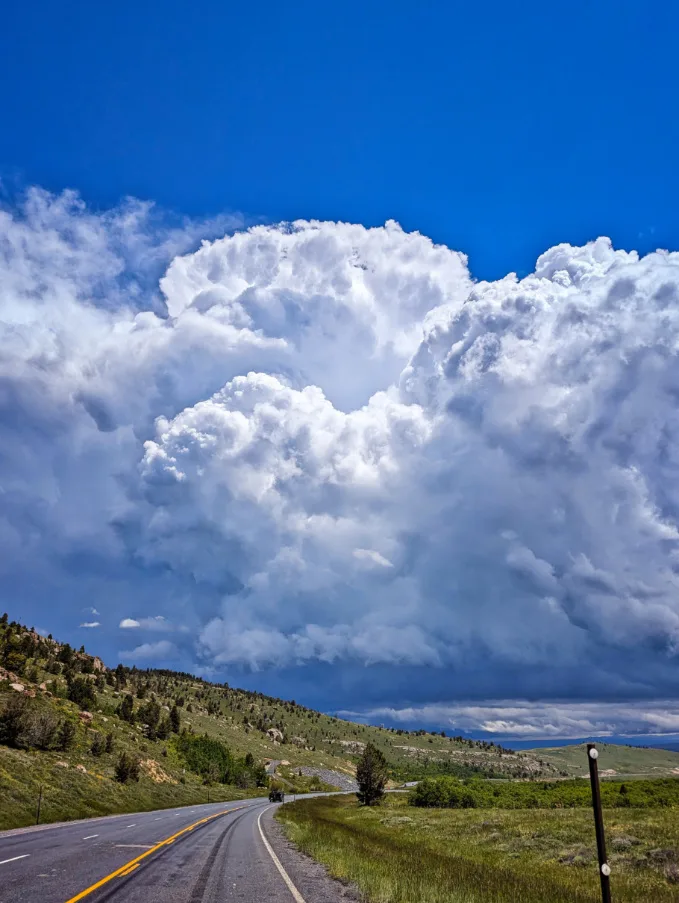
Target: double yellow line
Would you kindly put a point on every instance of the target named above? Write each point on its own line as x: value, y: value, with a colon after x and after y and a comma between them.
x: 133, y: 864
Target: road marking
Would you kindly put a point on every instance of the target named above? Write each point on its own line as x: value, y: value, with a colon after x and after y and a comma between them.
x: 132, y: 826
x: 276, y: 861
x: 14, y: 858
x: 132, y: 864
x: 133, y: 846
x: 130, y: 870
x: 90, y: 836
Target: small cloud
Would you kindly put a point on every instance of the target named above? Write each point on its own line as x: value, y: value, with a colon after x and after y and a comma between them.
x: 91, y: 624
x: 150, y: 652
x: 90, y: 610
x: 370, y: 556
x: 157, y: 622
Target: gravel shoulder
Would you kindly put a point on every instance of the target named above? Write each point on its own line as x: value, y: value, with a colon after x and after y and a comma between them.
x: 309, y: 876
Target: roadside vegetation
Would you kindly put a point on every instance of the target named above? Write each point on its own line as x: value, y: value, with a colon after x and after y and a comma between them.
x: 100, y: 739
x: 448, y: 793
x: 398, y: 853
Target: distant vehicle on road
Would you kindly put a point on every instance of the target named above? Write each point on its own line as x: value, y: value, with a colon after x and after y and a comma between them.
x: 276, y: 796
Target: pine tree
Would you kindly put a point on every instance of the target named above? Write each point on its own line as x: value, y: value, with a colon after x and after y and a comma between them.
x: 371, y: 774
x: 126, y: 710
x: 66, y: 735
x: 175, y: 719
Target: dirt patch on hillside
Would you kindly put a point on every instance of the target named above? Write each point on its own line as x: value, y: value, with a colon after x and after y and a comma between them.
x: 155, y: 772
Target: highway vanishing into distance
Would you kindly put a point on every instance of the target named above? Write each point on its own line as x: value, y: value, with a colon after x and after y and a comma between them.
x: 194, y: 854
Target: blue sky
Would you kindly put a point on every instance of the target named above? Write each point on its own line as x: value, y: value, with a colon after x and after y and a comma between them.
x: 499, y: 129
x: 327, y: 461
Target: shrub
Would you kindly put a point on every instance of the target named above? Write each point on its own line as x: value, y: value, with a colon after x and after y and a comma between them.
x: 164, y: 729
x: 127, y: 768
x: 12, y: 720
x: 81, y: 692
x: 65, y: 735
x: 448, y: 793
x: 98, y: 746
x: 175, y: 719
x: 40, y: 729
x: 126, y: 708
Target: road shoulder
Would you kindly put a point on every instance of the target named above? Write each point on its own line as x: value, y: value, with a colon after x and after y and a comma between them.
x: 309, y: 876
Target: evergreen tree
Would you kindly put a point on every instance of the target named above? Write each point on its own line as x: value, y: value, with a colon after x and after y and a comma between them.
x: 81, y: 691
x: 98, y: 745
x: 175, y: 720
x: 371, y: 774
x: 126, y: 710
x: 164, y: 729
x: 66, y: 735
x: 127, y: 768
x: 12, y: 720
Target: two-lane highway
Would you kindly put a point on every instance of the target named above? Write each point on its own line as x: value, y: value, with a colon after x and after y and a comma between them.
x: 200, y: 854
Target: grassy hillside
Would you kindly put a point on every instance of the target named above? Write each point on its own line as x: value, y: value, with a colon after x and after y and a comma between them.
x: 56, y: 683
x: 615, y: 761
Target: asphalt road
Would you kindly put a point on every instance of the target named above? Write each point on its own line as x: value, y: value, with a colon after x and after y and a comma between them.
x: 199, y: 854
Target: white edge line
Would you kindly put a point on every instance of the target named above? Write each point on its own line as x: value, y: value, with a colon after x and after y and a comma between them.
x: 14, y: 858
x: 276, y: 861
x: 132, y: 826
x: 90, y: 836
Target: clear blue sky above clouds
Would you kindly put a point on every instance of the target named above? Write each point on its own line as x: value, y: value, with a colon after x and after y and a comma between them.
x: 497, y: 128
x: 306, y: 455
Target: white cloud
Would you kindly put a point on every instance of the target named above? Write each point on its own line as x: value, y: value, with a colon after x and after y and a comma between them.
x: 324, y: 443
x: 162, y: 651
x: 156, y: 622
x: 91, y: 624
x: 371, y: 557
x: 520, y: 720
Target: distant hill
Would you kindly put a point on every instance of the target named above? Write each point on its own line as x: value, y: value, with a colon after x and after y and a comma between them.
x: 614, y: 760
x: 221, y: 740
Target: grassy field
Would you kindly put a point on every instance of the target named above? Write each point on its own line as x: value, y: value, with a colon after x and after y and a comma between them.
x: 450, y: 793
x: 620, y: 761
x: 398, y: 854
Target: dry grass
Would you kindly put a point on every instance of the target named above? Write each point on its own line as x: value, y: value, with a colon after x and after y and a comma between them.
x: 397, y: 854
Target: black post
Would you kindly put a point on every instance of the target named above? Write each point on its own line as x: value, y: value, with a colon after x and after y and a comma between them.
x: 37, y: 817
x: 208, y: 794
x: 604, y: 868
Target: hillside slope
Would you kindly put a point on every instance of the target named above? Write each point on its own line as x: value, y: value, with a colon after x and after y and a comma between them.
x: 245, y: 732
x: 615, y: 760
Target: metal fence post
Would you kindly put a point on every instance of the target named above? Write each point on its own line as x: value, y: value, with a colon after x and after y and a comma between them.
x: 37, y: 817
x: 604, y: 868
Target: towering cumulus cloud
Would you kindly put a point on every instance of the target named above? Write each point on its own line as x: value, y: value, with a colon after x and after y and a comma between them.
x: 316, y: 443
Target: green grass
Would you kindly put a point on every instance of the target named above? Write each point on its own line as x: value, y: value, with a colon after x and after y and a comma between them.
x: 70, y: 794
x: 449, y: 793
x: 614, y: 761
x: 398, y: 854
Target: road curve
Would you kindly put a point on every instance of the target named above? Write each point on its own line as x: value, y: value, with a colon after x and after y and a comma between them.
x: 197, y: 854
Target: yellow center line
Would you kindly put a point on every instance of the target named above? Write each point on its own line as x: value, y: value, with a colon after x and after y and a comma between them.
x: 133, y: 863
x: 129, y: 870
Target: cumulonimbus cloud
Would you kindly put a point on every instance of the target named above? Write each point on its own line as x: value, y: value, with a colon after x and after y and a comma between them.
x: 328, y: 444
